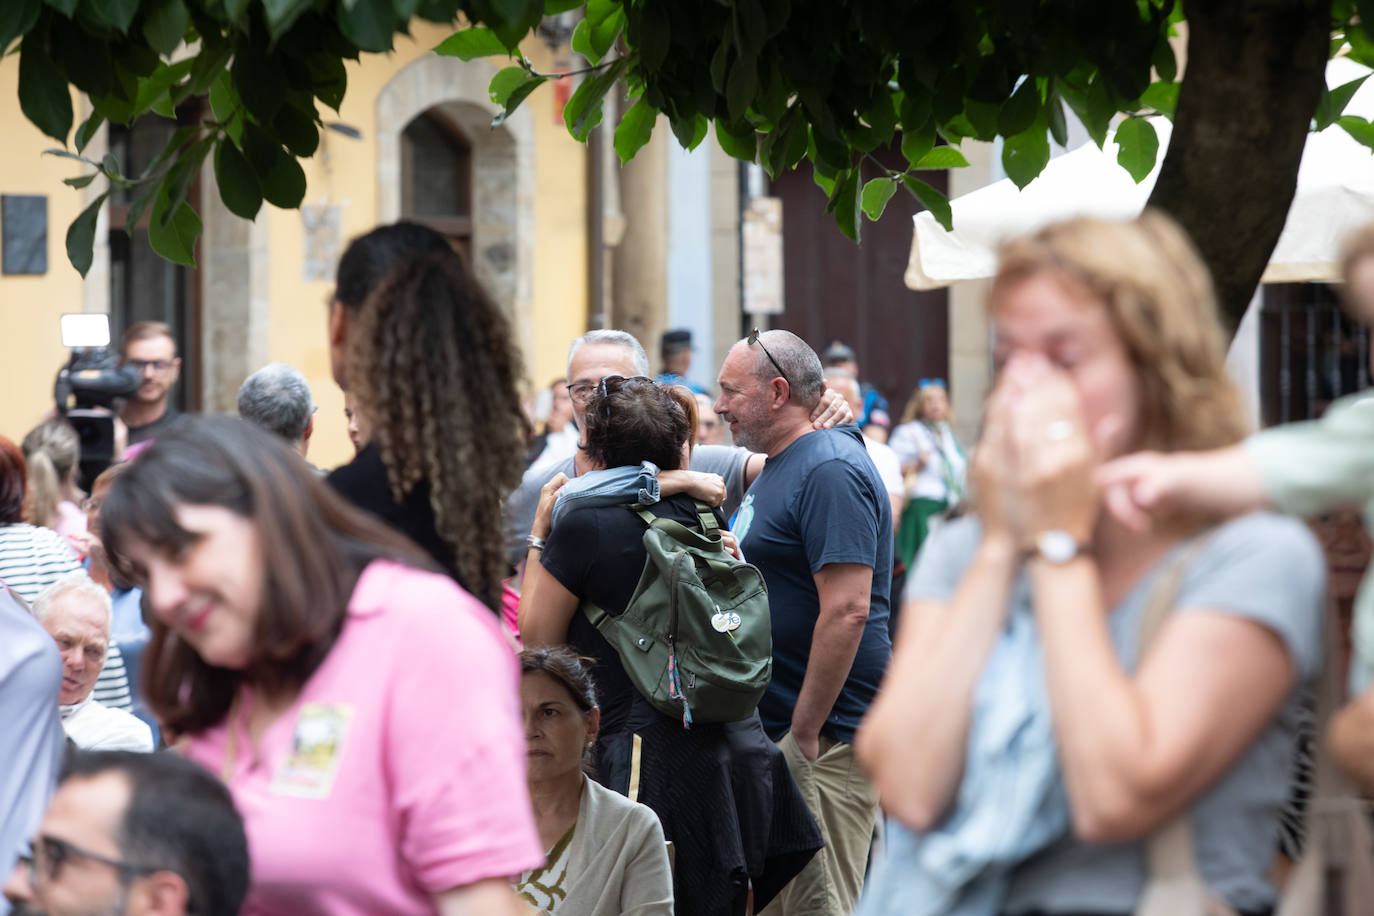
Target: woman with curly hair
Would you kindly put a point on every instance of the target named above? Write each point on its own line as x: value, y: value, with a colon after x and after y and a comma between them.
x: 429, y: 361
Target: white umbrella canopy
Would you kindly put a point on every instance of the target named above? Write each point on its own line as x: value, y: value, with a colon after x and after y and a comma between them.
x: 1335, y: 195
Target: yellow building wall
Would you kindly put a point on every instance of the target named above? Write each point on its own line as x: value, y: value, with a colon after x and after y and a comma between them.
x: 343, y: 172
x: 31, y: 348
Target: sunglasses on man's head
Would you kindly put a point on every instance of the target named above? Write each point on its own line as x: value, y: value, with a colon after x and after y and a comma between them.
x: 754, y: 339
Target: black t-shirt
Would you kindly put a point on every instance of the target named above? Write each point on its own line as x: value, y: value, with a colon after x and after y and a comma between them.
x: 156, y: 428
x: 820, y: 501
x: 363, y: 482
x: 597, y: 553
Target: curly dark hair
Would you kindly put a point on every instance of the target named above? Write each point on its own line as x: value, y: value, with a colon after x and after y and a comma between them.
x: 432, y: 364
x: 13, y: 478
x: 640, y: 420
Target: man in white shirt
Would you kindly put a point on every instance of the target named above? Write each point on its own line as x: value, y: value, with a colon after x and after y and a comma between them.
x: 76, y: 613
x: 884, y: 458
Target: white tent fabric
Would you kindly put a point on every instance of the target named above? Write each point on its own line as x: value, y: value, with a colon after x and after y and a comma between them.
x: 1335, y: 194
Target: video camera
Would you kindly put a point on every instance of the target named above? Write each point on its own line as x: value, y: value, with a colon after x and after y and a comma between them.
x: 87, y: 388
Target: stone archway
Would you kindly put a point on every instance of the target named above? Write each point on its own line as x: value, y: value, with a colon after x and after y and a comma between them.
x: 502, y: 173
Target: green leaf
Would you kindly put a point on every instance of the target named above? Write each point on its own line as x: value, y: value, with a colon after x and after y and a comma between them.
x: 282, y: 14
x: 1164, y: 62
x: 1358, y: 128
x: 17, y: 17
x: 208, y: 66
x: 741, y: 142
x: 65, y: 7
x: 1097, y: 116
x: 741, y: 86
x: 1054, y: 115
x: 652, y: 39
x: 279, y: 174
x: 846, y: 204
x: 81, y: 235
x: 85, y: 60
x: 173, y: 230
x: 1162, y: 97
x: 87, y: 130
x: 506, y: 81
x: 1137, y: 145
x: 116, y: 14
x: 369, y: 24
x: 775, y: 149
x: 165, y: 25
x: 296, y: 128
x: 238, y: 184
x: 470, y: 44
x: 876, y: 195
x: 932, y: 199
x: 64, y: 154
x: 1020, y: 111
x: 825, y: 184
x: 1333, y: 103
x: 1026, y: 154
x: 719, y: 60
x: 81, y: 181
x: 690, y: 131
x: 583, y: 110
x: 604, y: 33
x: 582, y: 41
x: 43, y: 94
x: 554, y: 7
x: 258, y: 79
x: 942, y: 157
x: 516, y: 97
x: 635, y: 128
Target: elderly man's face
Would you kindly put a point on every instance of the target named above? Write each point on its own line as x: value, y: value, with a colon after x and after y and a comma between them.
x: 81, y: 628
x: 590, y: 364
x: 68, y: 877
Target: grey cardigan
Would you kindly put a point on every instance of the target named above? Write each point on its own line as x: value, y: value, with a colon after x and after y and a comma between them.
x: 617, y: 862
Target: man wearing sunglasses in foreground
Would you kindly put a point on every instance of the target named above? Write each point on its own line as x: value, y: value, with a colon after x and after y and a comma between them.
x: 135, y: 834
x: 598, y: 354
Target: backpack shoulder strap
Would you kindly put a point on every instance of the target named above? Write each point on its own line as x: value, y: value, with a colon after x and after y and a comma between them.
x: 705, y: 515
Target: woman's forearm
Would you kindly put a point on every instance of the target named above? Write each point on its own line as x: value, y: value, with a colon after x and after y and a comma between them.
x: 914, y: 737
x: 1136, y: 748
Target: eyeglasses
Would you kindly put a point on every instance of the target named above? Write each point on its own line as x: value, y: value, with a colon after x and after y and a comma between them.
x: 159, y: 365
x: 51, y: 855
x: 754, y: 339
x: 581, y: 393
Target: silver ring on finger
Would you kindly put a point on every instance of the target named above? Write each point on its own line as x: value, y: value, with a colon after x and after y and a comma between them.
x: 1060, y: 430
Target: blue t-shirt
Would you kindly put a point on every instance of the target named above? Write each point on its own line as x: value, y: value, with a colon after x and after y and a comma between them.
x: 819, y: 501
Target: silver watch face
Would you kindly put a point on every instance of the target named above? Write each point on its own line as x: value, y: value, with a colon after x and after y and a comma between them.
x: 1056, y: 546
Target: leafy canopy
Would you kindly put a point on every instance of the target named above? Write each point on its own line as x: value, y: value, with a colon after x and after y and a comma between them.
x: 782, y: 81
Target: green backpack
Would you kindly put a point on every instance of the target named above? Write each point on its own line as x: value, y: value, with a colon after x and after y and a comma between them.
x: 695, y: 638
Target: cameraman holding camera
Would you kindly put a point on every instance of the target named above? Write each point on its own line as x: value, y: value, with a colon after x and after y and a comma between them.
x: 150, y: 348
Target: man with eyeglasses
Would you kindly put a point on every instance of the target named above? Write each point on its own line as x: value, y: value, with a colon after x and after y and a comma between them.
x: 151, y: 348
x: 818, y: 524
x: 601, y: 353
x: 134, y: 834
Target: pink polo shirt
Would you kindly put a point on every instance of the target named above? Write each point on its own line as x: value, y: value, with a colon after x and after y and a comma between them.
x: 399, y: 772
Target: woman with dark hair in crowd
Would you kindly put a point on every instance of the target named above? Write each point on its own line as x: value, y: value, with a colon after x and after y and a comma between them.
x: 430, y: 364
x: 722, y: 792
x: 605, y: 854
x: 31, y: 557
x: 302, y: 651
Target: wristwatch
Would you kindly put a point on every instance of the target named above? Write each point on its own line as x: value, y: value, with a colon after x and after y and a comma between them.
x: 1057, y: 546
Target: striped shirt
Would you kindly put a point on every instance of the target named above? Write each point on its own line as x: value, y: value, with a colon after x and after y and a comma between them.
x: 33, y: 558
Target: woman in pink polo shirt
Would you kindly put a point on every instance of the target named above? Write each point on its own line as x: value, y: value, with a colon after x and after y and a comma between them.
x: 363, y: 709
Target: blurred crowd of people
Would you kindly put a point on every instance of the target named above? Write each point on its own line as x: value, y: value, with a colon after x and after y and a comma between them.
x: 234, y: 682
